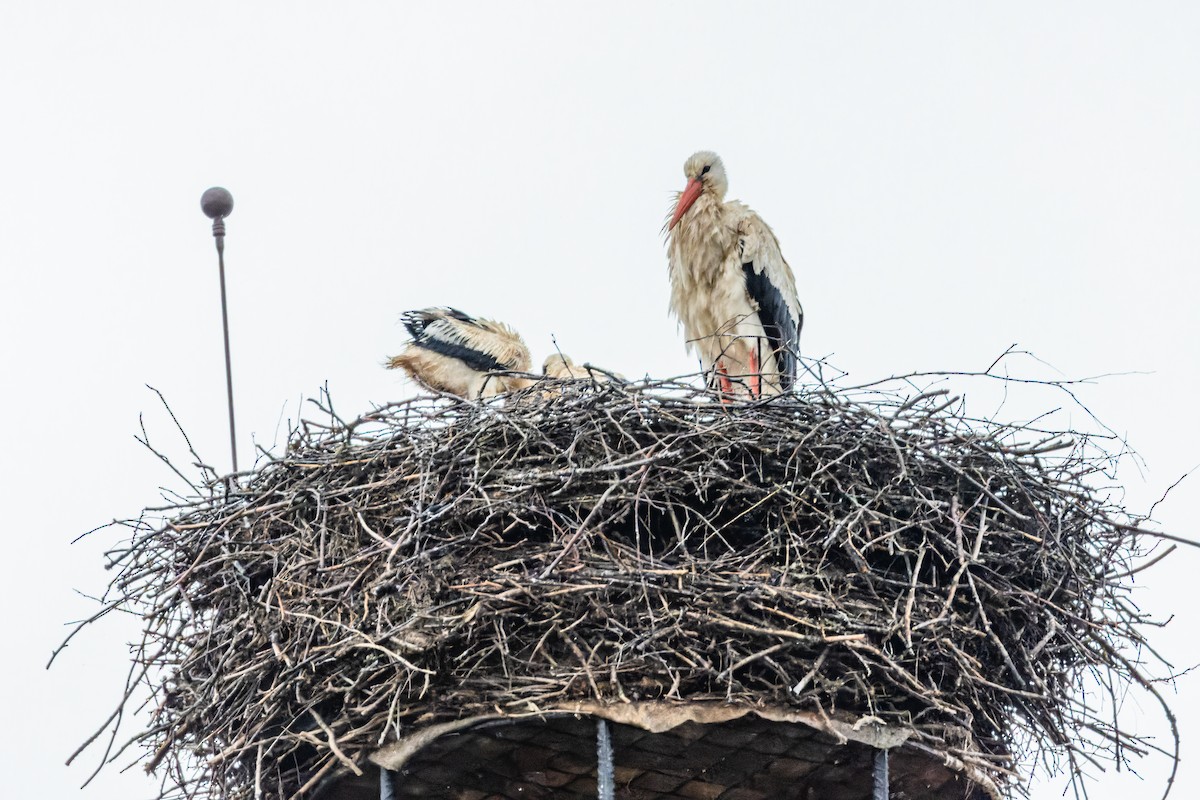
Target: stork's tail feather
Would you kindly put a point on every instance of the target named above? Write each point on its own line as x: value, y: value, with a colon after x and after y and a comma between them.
x: 401, y: 361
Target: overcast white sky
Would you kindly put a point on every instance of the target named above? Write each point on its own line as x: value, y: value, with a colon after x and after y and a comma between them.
x: 945, y: 181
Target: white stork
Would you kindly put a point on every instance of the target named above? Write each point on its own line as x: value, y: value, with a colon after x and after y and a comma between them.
x: 561, y: 366
x: 730, y: 287
x: 455, y: 353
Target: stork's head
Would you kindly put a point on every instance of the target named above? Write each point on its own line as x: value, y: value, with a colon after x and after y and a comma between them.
x: 556, y: 362
x: 705, y: 174
x: 557, y: 365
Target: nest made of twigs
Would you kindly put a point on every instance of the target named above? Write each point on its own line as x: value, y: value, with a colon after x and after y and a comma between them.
x: 856, y: 555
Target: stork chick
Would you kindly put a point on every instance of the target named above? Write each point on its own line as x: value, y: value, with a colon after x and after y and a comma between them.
x: 561, y: 367
x: 730, y: 287
x: 455, y: 353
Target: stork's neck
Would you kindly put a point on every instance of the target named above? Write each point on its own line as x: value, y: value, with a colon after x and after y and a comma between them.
x: 704, y: 221
x: 703, y: 234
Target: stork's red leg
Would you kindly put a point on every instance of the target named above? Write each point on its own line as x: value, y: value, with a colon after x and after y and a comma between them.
x: 726, y: 384
x: 755, y: 376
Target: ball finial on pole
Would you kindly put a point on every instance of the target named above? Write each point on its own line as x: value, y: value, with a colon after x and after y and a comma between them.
x: 217, y: 204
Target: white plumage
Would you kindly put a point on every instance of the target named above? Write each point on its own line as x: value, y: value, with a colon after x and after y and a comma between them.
x: 561, y: 366
x: 455, y: 353
x: 731, y: 289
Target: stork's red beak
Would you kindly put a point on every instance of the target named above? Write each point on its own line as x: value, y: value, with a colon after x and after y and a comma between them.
x: 690, y: 193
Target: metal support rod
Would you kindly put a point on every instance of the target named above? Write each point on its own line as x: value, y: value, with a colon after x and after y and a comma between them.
x: 387, y: 790
x: 217, y: 203
x: 880, y: 782
x: 604, y: 761
x: 225, y: 327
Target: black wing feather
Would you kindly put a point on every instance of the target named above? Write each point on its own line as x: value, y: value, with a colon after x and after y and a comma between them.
x: 418, y: 322
x: 475, y: 359
x: 415, y: 322
x: 783, y: 331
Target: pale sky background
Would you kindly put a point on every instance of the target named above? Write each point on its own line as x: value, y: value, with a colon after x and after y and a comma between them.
x: 945, y: 180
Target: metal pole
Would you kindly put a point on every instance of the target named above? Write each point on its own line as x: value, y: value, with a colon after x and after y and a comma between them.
x: 387, y: 790
x: 217, y: 204
x: 880, y: 783
x: 604, y: 761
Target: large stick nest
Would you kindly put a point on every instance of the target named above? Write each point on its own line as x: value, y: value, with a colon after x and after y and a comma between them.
x: 853, y: 554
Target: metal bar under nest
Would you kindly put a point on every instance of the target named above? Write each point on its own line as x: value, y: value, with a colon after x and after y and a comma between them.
x: 387, y: 790
x: 604, y: 761
x: 880, y: 782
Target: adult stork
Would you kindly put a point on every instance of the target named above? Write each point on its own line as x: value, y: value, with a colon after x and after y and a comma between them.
x: 455, y: 353
x: 730, y: 287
